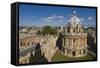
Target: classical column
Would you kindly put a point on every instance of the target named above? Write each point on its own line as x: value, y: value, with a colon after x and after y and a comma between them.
x: 27, y: 60
x: 77, y: 30
x: 65, y: 51
x: 78, y: 52
x: 71, y: 30
x: 67, y: 42
x: 70, y: 52
x: 85, y: 51
x: 85, y: 41
x: 25, y: 43
x: 19, y: 43
x: 62, y: 44
x: 81, y: 52
x: 77, y: 43
x: 71, y: 42
x: 63, y: 41
x: 81, y: 30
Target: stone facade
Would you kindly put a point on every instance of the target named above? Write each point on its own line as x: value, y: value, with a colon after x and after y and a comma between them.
x: 49, y: 46
x: 25, y: 59
x: 74, y: 40
x: 29, y: 43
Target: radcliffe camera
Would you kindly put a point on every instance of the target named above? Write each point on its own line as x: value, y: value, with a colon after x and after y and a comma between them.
x: 53, y: 34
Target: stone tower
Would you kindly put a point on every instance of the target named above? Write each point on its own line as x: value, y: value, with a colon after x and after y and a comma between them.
x: 74, y: 39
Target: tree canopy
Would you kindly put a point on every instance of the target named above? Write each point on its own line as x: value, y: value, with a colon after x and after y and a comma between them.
x: 48, y: 30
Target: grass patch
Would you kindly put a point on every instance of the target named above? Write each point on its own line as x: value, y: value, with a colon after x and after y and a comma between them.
x: 59, y: 57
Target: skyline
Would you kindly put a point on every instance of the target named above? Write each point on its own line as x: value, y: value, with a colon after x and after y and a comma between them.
x: 36, y: 15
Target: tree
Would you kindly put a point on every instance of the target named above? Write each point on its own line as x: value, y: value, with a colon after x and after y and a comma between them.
x: 49, y: 30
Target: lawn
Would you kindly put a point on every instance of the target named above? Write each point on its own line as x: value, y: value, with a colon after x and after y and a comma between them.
x: 59, y: 57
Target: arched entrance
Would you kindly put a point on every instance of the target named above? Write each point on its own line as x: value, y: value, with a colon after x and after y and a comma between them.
x: 73, y: 53
x: 84, y: 52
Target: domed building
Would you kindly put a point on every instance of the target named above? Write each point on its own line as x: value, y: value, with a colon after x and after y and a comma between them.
x: 74, y: 39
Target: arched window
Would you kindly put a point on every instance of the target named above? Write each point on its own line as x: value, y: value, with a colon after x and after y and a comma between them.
x: 32, y: 43
x: 80, y: 52
x: 63, y: 49
x: 73, y: 53
x: 68, y: 51
x: 28, y: 43
x: 73, y: 40
x: 84, y: 51
x: 77, y: 26
x: 20, y: 43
